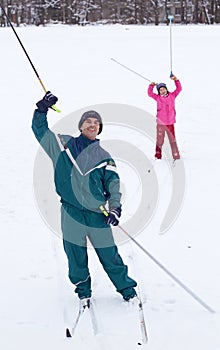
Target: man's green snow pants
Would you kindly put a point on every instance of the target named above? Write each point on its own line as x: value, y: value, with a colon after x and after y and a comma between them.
x: 77, y: 225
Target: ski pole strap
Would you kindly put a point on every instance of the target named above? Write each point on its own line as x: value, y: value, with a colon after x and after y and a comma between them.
x: 103, y: 210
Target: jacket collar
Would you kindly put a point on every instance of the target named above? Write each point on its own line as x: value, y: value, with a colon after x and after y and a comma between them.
x: 85, y: 141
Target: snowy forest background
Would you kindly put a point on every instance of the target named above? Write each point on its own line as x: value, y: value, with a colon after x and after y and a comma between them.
x: 82, y: 12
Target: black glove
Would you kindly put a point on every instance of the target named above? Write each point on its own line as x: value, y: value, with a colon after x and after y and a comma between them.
x: 113, y: 217
x: 47, y: 101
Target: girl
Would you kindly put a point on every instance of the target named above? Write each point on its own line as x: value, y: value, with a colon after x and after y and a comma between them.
x: 166, y: 115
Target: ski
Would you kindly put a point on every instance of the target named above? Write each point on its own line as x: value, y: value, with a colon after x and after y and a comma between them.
x: 88, y: 305
x: 85, y: 304
x: 142, y: 322
x: 93, y: 318
x: 137, y: 303
x: 70, y: 332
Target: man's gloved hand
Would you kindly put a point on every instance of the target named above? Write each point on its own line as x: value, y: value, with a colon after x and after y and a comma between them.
x: 48, y: 100
x: 113, y: 217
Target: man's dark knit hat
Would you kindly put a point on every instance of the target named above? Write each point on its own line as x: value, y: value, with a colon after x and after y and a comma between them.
x: 91, y: 114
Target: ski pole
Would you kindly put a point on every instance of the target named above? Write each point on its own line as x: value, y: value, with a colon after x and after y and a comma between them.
x: 181, y: 284
x: 170, y: 17
x: 28, y: 57
x: 131, y: 70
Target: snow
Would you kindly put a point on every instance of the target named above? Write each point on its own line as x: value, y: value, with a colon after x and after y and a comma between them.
x: 37, y: 300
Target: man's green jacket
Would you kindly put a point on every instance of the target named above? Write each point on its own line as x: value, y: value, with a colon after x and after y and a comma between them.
x: 85, y: 175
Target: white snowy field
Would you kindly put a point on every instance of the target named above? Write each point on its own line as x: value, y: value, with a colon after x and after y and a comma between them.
x: 37, y: 300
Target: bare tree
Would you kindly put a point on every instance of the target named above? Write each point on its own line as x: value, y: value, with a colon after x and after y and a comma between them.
x: 214, y: 11
x: 82, y: 12
x: 196, y: 12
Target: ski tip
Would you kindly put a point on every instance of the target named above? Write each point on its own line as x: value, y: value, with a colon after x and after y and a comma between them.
x: 143, y: 343
x: 68, y: 334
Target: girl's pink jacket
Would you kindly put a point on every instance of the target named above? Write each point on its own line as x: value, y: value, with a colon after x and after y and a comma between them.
x: 166, y: 113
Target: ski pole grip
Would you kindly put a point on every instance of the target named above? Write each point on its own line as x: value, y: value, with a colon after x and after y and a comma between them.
x: 170, y: 17
x: 56, y: 109
x: 103, y: 210
x: 45, y: 90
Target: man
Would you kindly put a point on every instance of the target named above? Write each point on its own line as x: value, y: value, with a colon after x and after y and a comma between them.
x: 85, y: 178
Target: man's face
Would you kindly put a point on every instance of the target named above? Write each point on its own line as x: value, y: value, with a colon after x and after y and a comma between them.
x: 90, y: 128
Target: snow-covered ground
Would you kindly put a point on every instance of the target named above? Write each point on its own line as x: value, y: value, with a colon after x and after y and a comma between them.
x: 75, y: 64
